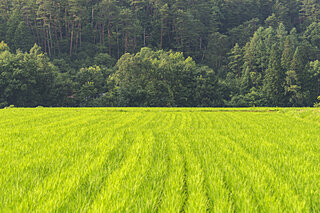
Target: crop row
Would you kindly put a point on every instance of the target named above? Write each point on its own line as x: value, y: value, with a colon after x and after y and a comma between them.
x: 92, y: 160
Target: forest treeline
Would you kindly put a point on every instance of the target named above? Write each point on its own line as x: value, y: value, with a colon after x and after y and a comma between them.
x: 159, y: 53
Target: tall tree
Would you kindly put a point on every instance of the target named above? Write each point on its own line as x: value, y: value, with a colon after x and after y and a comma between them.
x: 236, y: 61
x: 310, y: 11
x: 23, y: 38
x: 314, y: 81
x: 274, y: 79
x: 293, y: 89
x: 287, y: 55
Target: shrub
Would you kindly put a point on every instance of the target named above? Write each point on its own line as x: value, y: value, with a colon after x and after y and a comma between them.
x: 9, y: 107
x: 317, y: 104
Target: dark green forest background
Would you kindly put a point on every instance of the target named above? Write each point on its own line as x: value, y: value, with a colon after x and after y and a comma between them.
x: 159, y: 53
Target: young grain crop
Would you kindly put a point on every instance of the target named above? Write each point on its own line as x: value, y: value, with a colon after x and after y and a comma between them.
x: 159, y: 160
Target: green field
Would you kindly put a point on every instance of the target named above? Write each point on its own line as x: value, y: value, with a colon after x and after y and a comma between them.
x: 159, y: 160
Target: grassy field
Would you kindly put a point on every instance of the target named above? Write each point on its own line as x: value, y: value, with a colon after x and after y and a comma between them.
x: 159, y: 160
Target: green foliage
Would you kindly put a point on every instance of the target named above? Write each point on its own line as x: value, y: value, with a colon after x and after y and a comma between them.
x: 208, y: 92
x: 27, y: 78
x: 287, y: 55
x: 317, y: 104
x: 90, y: 85
x: 161, y: 78
x: 235, y: 61
x: 3, y: 47
x: 293, y: 88
x: 23, y: 39
x: 155, y: 79
x: 104, y: 60
x: 310, y: 11
x: 314, y: 80
x: 272, y: 85
x: 11, y: 27
x: 234, y: 38
x: 9, y: 107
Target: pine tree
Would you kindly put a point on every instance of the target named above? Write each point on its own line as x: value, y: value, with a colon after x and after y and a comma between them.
x: 310, y: 11
x: 298, y: 64
x: 272, y: 21
x: 246, y: 82
x: 281, y: 35
x: 293, y: 89
x: 235, y: 60
x: 12, y: 25
x: 2, y: 29
x: 274, y: 78
x: 286, y: 55
x: 23, y: 38
x: 282, y: 12
x: 3, y: 47
x: 312, y: 35
x: 293, y: 37
x: 313, y: 80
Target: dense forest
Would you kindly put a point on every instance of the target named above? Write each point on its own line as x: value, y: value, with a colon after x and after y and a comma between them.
x: 159, y: 53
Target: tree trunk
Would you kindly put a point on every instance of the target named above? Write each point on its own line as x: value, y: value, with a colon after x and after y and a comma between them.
x: 45, y: 33
x: 103, y: 37
x: 92, y: 15
x: 144, y: 37
x: 37, y: 32
x: 77, y: 40
x: 48, y: 41
x: 161, y: 36
x: 181, y: 38
x: 66, y: 22
x: 95, y: 33
x: 126, y: 43
x: 50, y: 34
x: 109, y: 37
x: 80, y: 34
x: 56, y: 41
x: 71, y: 39
x: 100, y: 33
x: 118, y: 48
x: 59, y: 24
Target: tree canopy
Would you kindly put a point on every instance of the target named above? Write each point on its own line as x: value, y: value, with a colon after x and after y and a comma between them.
x: 159, y: 53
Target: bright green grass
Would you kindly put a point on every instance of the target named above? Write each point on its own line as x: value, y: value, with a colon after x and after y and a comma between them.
x: 160, y: 160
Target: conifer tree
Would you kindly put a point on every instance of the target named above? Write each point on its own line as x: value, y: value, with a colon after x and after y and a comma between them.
x: 246, y: 82
x: 298, y: 65
x: 286, y: 55
x: 314, y: 80
x: 235, y: 60
x: 293, y: 89
x: 23, y: 38
x: 274, y: 78
x: 12, y: 25
x: 310, y: 11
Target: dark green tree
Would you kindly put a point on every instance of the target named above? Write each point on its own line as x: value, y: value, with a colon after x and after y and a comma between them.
x: 293, y: 89
x: 274, y: 79
x: 91, y: 84
x: 287, y: 55
x: 156, y: 79
x: 235, y: 61
x: 208, y: 89
x: 23, y: 38
x: 12, y: 24
x: 314, y: 81
x: 298, y: 65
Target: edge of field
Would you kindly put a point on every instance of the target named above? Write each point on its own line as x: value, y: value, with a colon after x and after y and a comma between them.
x: 179, y: 109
